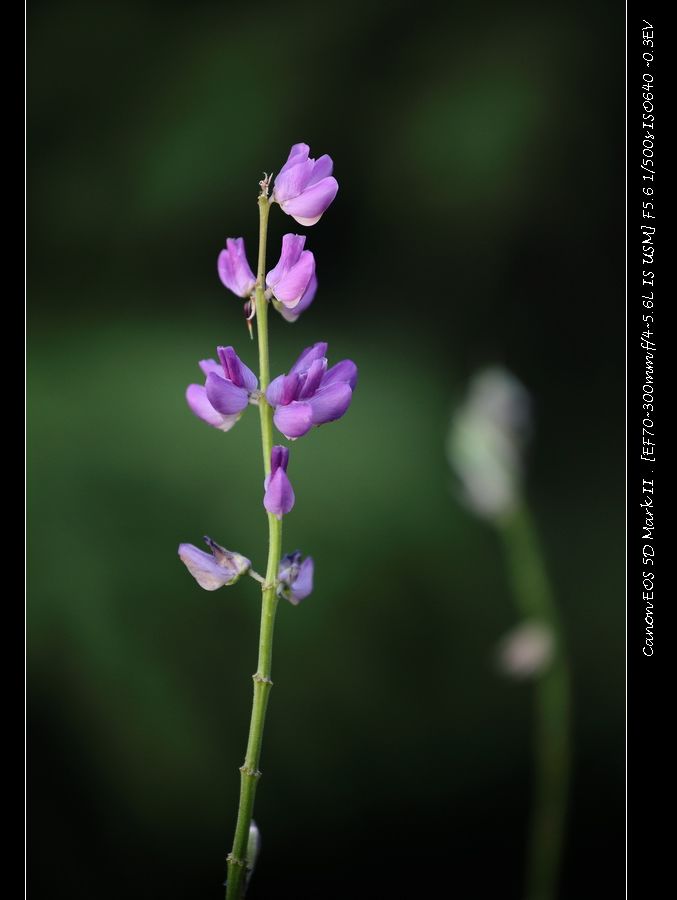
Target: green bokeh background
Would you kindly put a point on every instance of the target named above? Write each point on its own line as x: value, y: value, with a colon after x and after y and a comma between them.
x: 479, y: 220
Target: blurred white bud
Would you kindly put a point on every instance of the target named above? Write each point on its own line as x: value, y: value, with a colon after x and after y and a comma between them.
x: 253, y: 847
x: 526, y: 651
x: 486, y: 439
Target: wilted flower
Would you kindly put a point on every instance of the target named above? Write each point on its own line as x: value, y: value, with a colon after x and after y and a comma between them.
x: 526, y: 650
x: 304, y: 187
x: 279, y: 494
x: 486, y: 439
x: 295, y: 578
x: 216, y: 569
x: 310, y: 394
x: 294, y: 275
x: 234, y: 270
x: 229, y: 387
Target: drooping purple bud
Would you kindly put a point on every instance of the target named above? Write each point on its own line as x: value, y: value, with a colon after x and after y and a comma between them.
x: 278, y: 498
x: 234, y: 270
x: 304, y: 187
x: 216, y: 569
x: 295, y: 578
x: 290, y: 278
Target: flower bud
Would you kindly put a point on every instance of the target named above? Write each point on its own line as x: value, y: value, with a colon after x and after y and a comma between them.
x: 278, y: 498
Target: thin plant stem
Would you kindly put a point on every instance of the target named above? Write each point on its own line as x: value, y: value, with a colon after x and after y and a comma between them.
x: 535, y: 601
x: 249, y: 772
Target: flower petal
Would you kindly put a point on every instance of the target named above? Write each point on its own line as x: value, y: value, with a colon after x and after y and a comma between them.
x: 294, y: 420
x: 236, y: 562
x: 210, y: 365
x: 302, y: 585
x: 289, y: 566
x: 274, y: 390
x: 293, y: 283
x: 279, y: 496
x: 308, y: 355
x: 292, y: 246
x: 204, y: 568
x: 330, y: 403
x: 234, y: 270
x: 322, y: 167
x: 224, y: 396
x: 279, y: 458
x: 308, y: 206
x: 291, y: 315
x: 292, y: 181
x: 298, y: 153
x: 235, y: 370
x: 345, y: 371
x: 313, y: 378
x: 202, y: 408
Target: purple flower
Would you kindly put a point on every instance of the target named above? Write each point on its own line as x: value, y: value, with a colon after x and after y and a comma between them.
x: 234, y: 270
x: 304, y: 187
x: 311, y: 394
x: 229, y: 387
x: 295, y: 578
x: 290, y: 279
x: 213, y: 570
x: 279, y: 494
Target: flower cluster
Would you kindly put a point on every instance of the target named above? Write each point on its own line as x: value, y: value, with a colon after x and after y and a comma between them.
x: 304, y: 188
x: 310, y: 394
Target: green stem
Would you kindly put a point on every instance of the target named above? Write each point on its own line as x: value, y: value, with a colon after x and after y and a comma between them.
x: 237, y: 859
x: 535, y: 600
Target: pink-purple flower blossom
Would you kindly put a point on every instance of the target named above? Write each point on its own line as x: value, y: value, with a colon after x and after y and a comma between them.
x: 304, y: 187
x: 311, y: 394
x: 216, y: 569
x: 234, y: 270
x: 294, y: 275
x: 279, y: 495
x: 295, y: 578
x: 229, y: 387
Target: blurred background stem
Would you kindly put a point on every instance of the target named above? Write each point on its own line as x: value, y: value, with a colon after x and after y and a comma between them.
x: 535, y: 601
x: 249, y: 772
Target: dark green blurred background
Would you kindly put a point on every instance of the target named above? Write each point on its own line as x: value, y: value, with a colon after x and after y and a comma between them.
x: 480, y: 219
